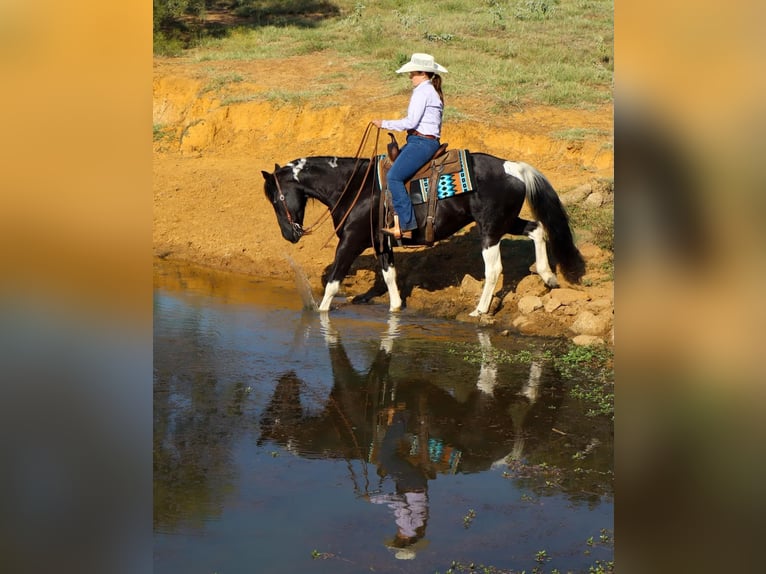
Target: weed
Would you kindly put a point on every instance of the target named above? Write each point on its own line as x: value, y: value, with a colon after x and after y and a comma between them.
x: 160, y: 133
x: 438, y: 37
x: 535, y: 10
x: 218, y: 82
x: 592, y: 367
x: 356, y: 16
x: 578, y: 134
x: 497, y: 13
x: 475, y: 354
x: 468, y: 518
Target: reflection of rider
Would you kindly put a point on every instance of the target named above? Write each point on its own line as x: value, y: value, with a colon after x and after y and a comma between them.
x: 410, y: 501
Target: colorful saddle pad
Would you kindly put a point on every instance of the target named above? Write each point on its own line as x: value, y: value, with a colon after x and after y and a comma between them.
x: 448, y: 185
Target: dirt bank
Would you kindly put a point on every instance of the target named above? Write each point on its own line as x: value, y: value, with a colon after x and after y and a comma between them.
x: 214, y: 133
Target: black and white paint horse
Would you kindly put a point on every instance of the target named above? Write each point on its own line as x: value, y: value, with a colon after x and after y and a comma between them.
x: 501, y: 188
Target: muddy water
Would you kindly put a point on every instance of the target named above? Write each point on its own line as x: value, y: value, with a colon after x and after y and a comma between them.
x: 285, y: 441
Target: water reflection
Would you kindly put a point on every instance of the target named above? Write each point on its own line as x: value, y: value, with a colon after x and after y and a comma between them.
x: 367, y: 437
x: 415, y: 425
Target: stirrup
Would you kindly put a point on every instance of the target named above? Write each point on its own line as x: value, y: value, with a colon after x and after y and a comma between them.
x: 396, y: 231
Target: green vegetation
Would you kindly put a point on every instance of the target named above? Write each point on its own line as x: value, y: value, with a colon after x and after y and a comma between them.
x: 593, y: 369
x: 541, y: 557
x: 590, y: 370
x: 161, y: 133
x: 525, y: 51
x: 469, y: 518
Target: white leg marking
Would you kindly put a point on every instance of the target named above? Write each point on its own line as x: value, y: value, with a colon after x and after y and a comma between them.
x: 488, y: 372
x: 297, y: 167
x: 531, y: 388
x: 329, y: 292
x: 387, y: 341
x: 326, y: 328
x: 395, y: 300
x: 541, y: 257
x: 493, y: 267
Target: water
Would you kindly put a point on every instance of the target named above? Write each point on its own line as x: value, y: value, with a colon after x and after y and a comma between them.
x: 286, y: 441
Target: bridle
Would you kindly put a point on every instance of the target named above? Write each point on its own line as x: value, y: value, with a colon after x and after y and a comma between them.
x: 306, y: 231
x: 281, y: 197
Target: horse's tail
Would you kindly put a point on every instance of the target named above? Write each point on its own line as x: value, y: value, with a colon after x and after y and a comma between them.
x: 548, y: 210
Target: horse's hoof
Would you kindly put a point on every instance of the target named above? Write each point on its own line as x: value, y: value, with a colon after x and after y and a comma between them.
x: 551, y: 282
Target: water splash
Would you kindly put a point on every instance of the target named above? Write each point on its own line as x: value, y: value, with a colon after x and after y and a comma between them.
x: 303, y: 285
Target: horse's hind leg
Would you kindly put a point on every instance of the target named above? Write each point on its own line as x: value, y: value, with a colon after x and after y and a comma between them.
x: 536, y: 232
x: 493, y: 267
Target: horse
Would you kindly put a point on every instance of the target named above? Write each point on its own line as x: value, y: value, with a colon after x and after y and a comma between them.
x: 501, y: 189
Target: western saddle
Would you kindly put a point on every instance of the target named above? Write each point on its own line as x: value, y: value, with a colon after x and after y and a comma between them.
x: 443, y: 161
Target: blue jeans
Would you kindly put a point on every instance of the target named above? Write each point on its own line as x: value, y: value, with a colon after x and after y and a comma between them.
x: 413, y: 155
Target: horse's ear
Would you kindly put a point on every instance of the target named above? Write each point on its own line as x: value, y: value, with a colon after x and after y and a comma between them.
x: 266, y: 175
x: 276, y: 167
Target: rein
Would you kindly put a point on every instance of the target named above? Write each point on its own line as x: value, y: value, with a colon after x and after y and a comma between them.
x: 323, y: 217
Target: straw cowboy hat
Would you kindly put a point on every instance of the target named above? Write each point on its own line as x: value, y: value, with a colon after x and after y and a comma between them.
x: 422, y: 63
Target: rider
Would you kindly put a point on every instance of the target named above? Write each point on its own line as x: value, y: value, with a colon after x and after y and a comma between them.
x: 423, y: 126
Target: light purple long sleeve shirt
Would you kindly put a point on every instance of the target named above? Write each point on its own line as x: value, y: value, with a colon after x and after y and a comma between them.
x: 424, y: 113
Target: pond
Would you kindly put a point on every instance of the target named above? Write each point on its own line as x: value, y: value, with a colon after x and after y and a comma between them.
x: 361, y: 441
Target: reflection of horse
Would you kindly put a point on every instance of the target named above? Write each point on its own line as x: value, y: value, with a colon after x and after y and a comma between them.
x: 474, y: 427
x: 502, y: 187
x: 410, y: 430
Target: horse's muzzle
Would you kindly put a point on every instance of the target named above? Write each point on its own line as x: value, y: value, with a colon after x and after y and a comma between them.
x: 297, y: 232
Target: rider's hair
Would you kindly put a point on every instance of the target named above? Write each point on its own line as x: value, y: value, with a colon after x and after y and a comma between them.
x: 436, y: 82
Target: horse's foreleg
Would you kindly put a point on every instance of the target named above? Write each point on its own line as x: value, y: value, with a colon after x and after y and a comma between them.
x: 345, y: 254
x: 388, y: 270
x: 330, y: 290
x: 493, y: 267
x: 541, y: 257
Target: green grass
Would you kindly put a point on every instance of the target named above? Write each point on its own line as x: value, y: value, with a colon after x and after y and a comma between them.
x: 511, y: 53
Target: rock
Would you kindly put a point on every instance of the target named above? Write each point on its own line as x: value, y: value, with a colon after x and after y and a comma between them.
x: 524, y: 325
x: 567, y: 296
x: 471, y: 287
x: 587, y: 323
x: 587, y: 340
x: 576, y: 195
x: 598, y: 305
x: 552, y: 304
x: 531, y: 285
x: 529, y: 303
x: 595, y: 199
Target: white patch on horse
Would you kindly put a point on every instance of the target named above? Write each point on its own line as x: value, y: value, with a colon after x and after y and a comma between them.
x: 514, y: 169
x: 297, y: 168
x: 330, y: 290
x: 541, y: 257
x: 333, y: 162
x: 394, y: 298
x: 493, y: 267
